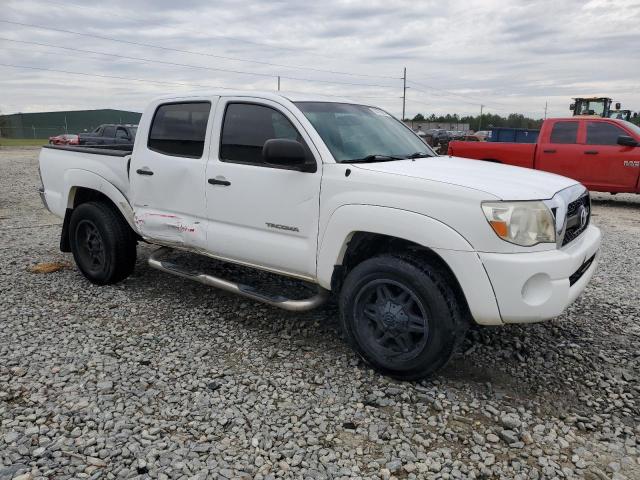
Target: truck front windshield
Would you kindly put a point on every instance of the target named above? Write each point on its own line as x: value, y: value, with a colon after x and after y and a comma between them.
x: 358, y: 132
x: 633, y: 127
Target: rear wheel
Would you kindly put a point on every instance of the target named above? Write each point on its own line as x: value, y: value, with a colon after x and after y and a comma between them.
x: 102, y: 243
x: 401, y: 315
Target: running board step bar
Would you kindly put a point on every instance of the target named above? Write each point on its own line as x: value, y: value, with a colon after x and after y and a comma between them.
x: 244, y: 290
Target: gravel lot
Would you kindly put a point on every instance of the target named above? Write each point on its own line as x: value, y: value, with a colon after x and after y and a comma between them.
x: 158, y: 377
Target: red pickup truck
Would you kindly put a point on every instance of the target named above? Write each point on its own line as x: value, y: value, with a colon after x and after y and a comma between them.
x: 601, y: 153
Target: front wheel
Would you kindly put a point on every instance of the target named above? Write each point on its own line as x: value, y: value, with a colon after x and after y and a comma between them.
x: 102, y: 243
x: 401, y: 315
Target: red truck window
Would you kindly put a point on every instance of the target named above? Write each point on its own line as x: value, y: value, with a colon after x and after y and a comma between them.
x: 602, y: 133
x: 564, y: 132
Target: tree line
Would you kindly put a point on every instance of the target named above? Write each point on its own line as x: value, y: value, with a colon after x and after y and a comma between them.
x: 514, y: 120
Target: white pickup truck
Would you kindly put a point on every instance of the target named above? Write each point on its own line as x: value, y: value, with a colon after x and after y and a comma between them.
x: 416, y: 246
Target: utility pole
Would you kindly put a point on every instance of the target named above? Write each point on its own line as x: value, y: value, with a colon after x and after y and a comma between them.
x: 480, y: 121
x: 278, y: 82
x: 404, y: 92
x: 545, y: 110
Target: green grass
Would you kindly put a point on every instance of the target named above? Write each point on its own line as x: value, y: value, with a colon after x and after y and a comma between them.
x: 23, y: 142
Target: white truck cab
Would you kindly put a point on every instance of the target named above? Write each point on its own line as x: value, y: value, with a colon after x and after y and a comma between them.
x: 343, y: 195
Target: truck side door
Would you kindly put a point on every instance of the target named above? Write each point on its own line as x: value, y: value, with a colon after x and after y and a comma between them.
x: 168, y: 172
x: 558, y: 150
x: 607, y: 165
x: 260, y: 214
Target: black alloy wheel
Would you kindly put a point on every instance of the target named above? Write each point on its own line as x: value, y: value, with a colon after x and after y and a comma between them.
x: 91, y: 247
x: 393, y: 320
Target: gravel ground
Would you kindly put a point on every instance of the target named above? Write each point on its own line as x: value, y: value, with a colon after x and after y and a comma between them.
x: 161, y: 378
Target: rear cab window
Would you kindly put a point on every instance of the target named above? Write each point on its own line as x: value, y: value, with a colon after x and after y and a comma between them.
x: 564, y: 132
x: 179, y: 129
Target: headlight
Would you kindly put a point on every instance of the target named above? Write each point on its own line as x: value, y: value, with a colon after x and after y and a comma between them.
x: 522, y: 223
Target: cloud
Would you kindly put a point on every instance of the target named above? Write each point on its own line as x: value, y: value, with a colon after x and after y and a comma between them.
x: 511, y: 57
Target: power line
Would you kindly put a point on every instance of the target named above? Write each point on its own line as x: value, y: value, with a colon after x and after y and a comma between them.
x: 159, y: 82
x: 450, y: 93
x: 134, y: 18
x: 412, y: 89
x: 192, y: 52
x: 240, y: 72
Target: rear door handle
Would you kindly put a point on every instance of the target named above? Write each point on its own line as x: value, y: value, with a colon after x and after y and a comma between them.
x: 215, y: 181
x: 591, y: 152
x: 549, y: 151
x: 144, y: 171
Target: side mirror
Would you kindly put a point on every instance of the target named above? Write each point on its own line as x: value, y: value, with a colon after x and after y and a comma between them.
x: 572, y: 106
x: 618, y: 106
x: 282, y: 152
x: 627, y: 141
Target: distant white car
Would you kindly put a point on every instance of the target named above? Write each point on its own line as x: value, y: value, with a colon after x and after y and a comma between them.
x: 338, y: 194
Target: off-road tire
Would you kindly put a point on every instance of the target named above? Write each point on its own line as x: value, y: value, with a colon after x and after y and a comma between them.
x: 104, y: 224
x: 430, y: 289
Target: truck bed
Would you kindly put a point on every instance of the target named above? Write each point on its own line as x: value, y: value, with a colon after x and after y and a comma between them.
x: 518, y: 154
x: 59, y: 164
x: 111, y: 150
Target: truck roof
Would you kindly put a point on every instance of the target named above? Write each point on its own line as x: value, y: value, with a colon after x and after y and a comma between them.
x: 269, y: 95
x: 591, y: 118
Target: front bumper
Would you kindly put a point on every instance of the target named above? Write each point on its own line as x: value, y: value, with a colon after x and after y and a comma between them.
x: 531, y: 287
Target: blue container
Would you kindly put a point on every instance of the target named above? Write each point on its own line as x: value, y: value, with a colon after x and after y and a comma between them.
x: 514, y: 135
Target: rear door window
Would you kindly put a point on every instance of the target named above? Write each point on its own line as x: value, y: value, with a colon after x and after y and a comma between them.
x: 109, y: 131
x: 122, y: 134
x: 602, y: 133
x: 179, y: 129
x: 564, y: 132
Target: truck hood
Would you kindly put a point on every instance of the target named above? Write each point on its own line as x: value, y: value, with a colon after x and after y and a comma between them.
x: 503, y: 181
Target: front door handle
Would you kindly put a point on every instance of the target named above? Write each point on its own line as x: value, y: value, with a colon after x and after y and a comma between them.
x: 549, y: 151
x: 215, y: 181
x: 144, y: 171
x: 591, y: 152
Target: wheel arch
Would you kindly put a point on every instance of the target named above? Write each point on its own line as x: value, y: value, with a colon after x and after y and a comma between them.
x: 364, y: 245
x: 82, y: 186
x: 357, y: 232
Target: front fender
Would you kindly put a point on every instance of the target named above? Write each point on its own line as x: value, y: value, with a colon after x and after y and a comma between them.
x: 452, y: 247
x: 75, y: 178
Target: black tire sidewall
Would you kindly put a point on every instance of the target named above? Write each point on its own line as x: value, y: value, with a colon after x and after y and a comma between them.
x: 428, y: 288
x: 103, y: 222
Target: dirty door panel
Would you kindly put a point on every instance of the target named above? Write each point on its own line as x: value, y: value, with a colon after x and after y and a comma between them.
x: 168, y: 174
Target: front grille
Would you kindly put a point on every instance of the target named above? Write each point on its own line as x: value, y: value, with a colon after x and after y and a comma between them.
x: 583, y: 268
x: 577, y: 221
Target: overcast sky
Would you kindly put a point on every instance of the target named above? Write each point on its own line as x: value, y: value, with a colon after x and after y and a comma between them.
x: 511, y: 56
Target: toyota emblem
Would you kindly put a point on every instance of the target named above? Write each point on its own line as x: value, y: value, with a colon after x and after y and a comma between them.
x: 584, y: 216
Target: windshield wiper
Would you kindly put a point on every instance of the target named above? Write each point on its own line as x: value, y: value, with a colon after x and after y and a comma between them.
x: 418, y: 155
x: 373, y: 158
